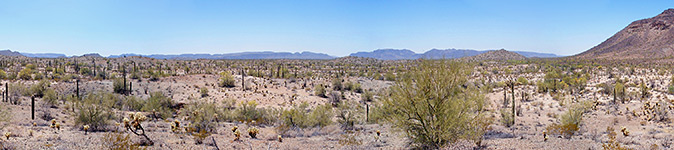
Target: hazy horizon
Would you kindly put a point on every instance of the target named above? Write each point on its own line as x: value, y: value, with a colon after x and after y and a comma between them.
x: 336, y: 28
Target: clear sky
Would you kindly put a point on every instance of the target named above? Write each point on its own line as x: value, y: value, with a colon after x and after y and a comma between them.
x: 337, y: 27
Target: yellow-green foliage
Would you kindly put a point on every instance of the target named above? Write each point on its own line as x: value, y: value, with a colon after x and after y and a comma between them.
x: 248, y: 111
x: 39, y: 88
x: 50, y: 98
x: 96, y: 116
x: 26, y: 74
x: 202, y: 115
x: 434, y: 108
x: 160, y: 104
x: 349, y: 114
x: 226, y: 79
x: 203, y: 91
x: 319, y: 91
x: 571, y: 120
x: 507, y: 117
x: 118, y: 85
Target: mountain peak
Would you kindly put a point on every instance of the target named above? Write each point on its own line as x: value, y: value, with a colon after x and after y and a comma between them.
x: 667, y: 12
x: 645, y: 38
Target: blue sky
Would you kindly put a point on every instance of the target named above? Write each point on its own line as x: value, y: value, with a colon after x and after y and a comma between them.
x: 337, y: 27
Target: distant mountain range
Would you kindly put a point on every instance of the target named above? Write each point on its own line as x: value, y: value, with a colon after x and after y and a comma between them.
x: 243, y: 55
x: 396, y: 54
x: 382, y: 54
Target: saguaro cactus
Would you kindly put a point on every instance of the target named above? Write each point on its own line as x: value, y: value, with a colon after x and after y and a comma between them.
x: 32, y: 107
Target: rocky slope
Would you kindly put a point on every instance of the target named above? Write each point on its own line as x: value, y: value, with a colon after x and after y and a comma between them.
x: 646, y: 38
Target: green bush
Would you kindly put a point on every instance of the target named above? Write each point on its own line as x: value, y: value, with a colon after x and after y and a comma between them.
x: 118, y: 86
x: 26, y: 74
x: 337, y: 84
x: 3, y: 75
x: 39, y: 88
x: 570, y: 121
x: 248, y: 111
x: 348, y: 114
x: 434, y: 108
x: 96, y: 116
x: 133, y: 103
x: 366, y: 96
x: 203, y: 116
x: 226, y: 80
x: 203, y: 91
x: 319, y: 90
x: 160, y: 104
x: 50, y: 98
x: 507, y: 117
x: 321, y: 116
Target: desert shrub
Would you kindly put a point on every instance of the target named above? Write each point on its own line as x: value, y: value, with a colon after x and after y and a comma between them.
x: 300, y: 116
x: 118, y: 86
x: 203, y: 116
x: 133, y: 103
x: 570, y: 121
x: 248, y: 111
x: 357, y: 88
x: 5, y: 116
x: 26, y: 74
x: 38, y: 89
x: 389, y: 76
x: 226, y: 80
x: 337, y: 84
x: 321, y: 116
x: 319, y: 91
x: 348, y: 114
x: 203, y: 91
x: 335, y: 98
x: 118, y: 141
x: 366, y: 96
x: 434, y: 108
x: 296, y: 116
x: 3, y: 74
x: 348, y: 86
x: 50, y: 98
x: 159, y: 103
x: 96, y: 116
x: 507, y: 117
x: 522, y: 80
x: 108, y: 100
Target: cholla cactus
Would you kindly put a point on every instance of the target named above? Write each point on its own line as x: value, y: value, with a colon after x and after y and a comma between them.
x: 376, y: 138
x: 625, y: 132
x: 234, y: 128
x: 253, y: 132
x: 86, y: 128
x: 280, y: 139
x: 8, y: 134
x: 237, y: 135
x: 57, y: 126
x: 53, y: 123
x: 133, y: 124
x: 545, y: 136
x: 175, y: 127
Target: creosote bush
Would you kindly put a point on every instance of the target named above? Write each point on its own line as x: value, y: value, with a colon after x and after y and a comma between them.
x: 226, y: 80
x: 570, y: 121
x: 433, y: 107
x: 319, y: 91
x: 160, y: 104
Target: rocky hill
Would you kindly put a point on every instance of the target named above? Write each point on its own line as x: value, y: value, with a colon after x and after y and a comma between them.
x: 398, y: 54
x: 646, y: 38
x: 499, y: 55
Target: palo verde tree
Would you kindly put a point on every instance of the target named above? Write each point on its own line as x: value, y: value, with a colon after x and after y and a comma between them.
x: 435, y: 105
